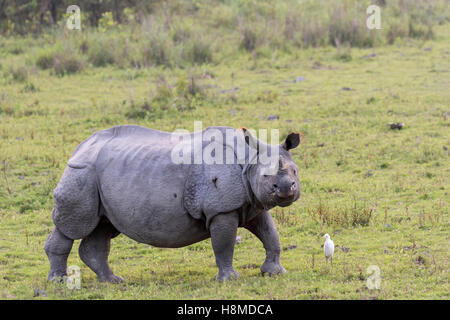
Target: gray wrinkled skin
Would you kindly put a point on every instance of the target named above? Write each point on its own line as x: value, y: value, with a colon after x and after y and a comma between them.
x: 122, y: 180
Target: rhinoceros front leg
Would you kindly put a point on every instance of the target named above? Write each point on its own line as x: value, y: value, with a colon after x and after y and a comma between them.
x: 223, y: 230
x: 264, y: 228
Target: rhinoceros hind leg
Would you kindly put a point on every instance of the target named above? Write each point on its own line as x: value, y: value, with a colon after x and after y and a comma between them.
x: 94, y: 251
x: 77, y: 201
x: 58, y: 248
x: 223, y: 230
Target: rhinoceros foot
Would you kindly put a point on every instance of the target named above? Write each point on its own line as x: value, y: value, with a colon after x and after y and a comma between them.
x: 272, y: 268
x: 111, y: 279
x: 226, y: 275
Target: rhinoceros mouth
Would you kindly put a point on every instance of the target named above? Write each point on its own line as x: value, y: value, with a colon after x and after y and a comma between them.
x: 285, y: 203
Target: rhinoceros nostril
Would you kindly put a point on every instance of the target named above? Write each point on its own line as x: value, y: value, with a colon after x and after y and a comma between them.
x: 275, y: 186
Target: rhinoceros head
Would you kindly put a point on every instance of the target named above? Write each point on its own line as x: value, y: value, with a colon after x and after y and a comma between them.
x: 275, y: 182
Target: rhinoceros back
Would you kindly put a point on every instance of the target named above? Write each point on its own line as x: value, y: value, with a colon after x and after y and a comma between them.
x: 77, y: 202
x: 87, y: 152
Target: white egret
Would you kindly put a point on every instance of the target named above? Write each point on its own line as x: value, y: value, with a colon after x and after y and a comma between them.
x: 328, y: 249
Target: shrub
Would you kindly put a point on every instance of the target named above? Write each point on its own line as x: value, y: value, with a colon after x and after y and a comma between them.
x: 173, y: 34
x: 164, y: 94
x: 140, y: 111
x: 16, y: 49
x: 19, y: 74
x: 30, y: 87
x: 420, y: 31
x: 345, y: 27
x: 304, y: 31
x: 248, y: 39
x: 67, y: 64
x: 396, y: 30
x: 106, y: 22
x: 344, y: 52
x: 45, y: 59
x: 180, y: 33
x: 157, y: 49
x: 186, y: 95
x: 61, y: 60
x: 198, y: 51
x: 101, y: 53
x: 353, y: 215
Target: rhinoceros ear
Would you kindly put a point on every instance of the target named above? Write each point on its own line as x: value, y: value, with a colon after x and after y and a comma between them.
x: 253, y: 142
x: 292, y: 141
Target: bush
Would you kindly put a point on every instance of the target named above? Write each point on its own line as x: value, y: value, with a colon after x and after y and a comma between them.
x: 353, y: 215
x: 157, y: 52
x: 345, y: 27
x: 189, y: 93
x: 19, y: 74
x: 344, y: 52
x: 420, y: 31
x: 30, y: 87
x: 164, y: 94
x: 173, y: 34
x: 396, y: 30
x: 248, y: 39
x: 141, y: 111
x: 304, y: 31
x: 101, y: 52
x: 67, y: 64
x: 61, y: 61
x: 45, y: 60
x: 198, y: 51
x: 186, y: 95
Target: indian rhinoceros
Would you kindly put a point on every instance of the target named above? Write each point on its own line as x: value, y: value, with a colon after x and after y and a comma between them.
x: 125, y: 180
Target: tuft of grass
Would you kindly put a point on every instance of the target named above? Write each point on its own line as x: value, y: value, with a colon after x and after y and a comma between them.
x: 249, y: 39
x: 198, y: 51
x: 101, y: 52
x: 19, y: 73
x: 45, y: 59
x: 67, y: 65
x: 185, y: 95
x: 348, y: 215
x: 345, y: 27
x: 420, y: 31
x: 60, y: 61
x: 30, y: 87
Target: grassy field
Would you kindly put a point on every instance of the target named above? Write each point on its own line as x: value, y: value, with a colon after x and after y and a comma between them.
x: 381, y: 194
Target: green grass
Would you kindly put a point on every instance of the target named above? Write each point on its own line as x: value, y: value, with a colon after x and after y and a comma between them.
x: 350, y: 163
